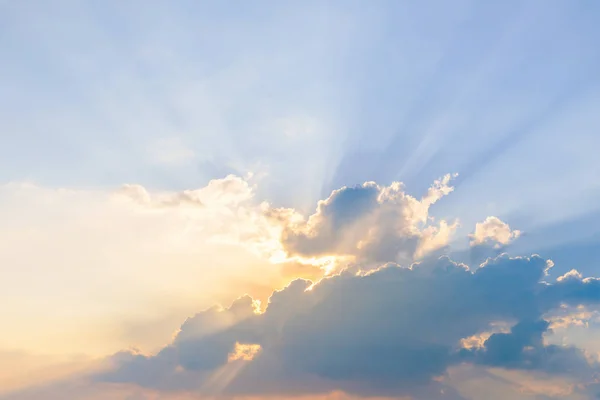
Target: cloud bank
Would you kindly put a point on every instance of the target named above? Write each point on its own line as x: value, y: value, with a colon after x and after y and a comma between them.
x: 382, y: 315
x: 389, y: 332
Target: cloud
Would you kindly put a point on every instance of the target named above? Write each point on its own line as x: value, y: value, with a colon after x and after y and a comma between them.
x: 383, y: 326
x: 138, y: 194
x: 389, y: 332
x: 371, y: 224
x: 231, y: 191
x: 123, y: 252
x: 492, y: 229
x: 523, y: 348
x: 476, y: 382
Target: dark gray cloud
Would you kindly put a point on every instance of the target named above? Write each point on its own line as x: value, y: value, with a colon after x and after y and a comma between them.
x: 392, y: 331
x: 523, y: 348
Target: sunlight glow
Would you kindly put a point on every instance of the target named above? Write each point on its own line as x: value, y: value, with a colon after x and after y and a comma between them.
x: 243, y: 351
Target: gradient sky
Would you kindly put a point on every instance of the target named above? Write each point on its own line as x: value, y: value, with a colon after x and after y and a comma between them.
x: 375, y: 177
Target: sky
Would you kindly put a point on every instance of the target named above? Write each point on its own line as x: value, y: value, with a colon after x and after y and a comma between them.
x: 317, y: 200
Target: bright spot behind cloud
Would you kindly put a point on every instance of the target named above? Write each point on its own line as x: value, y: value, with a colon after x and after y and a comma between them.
x: 245, y: 352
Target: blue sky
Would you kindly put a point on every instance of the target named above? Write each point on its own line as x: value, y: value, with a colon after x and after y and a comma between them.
x: 291, y: 100
x: 171, y: 96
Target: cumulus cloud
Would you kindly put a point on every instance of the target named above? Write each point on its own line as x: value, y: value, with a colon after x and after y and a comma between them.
x: 123, y: 251
x: 369, y: 224
x: 524, y: 348
x: 389, y: 332
x: 493, y: 230
x: 394, y: 328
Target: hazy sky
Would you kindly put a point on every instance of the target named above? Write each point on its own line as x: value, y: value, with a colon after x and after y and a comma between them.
x: 348, y: 166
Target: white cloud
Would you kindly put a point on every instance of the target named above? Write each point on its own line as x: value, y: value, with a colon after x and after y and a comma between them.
x: 492, y: 229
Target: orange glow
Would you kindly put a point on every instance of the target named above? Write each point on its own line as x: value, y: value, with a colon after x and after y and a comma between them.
x: 245, y: 352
